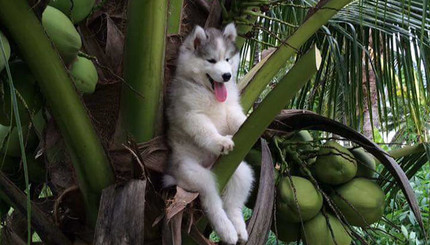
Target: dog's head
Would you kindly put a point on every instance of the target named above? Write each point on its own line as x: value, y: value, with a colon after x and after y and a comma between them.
x: 210, y: 56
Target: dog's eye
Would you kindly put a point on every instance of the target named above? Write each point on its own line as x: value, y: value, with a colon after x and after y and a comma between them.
x: 227, y: 59
x: 213, y: 61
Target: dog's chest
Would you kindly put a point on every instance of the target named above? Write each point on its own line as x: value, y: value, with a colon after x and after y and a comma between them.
x: 217, y: 113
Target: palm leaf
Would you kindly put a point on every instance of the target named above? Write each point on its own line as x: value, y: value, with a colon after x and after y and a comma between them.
x: 411, y: 159
x: 397, y: 56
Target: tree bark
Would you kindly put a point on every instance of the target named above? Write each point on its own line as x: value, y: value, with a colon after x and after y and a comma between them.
x: 121, y: 215
x: 370, y: 91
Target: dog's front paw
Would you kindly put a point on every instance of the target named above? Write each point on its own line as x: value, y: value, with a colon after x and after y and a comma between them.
x: 222, y: 145
x: 225, y: 144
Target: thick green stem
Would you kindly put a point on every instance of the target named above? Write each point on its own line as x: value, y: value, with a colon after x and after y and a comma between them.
x: 259, y: 119
x: 175, y: 17
x: 260, y: 76
x: 144, y: 68
x: 90, y: 161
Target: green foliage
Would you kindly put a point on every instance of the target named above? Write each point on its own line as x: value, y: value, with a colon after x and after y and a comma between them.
x: 374, y: 55
x: 402, y: 227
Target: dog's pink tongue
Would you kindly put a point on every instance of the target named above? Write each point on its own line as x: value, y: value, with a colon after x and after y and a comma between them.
x: 220, y: 91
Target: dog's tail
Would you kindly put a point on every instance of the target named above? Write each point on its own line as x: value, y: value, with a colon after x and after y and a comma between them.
x: 168, y: 181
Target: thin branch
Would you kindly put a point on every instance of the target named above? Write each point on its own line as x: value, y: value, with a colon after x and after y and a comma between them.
x: 47, y: 231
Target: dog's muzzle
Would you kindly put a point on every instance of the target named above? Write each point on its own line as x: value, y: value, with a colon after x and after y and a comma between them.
x: 211, y: 80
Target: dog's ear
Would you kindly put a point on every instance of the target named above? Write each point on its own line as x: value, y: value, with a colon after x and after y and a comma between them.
x: 230, y: 32
x: 196, y: 38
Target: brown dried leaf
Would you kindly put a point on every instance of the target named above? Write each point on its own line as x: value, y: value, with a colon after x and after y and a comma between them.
x: 59, y: 165
x: 93, y: 48
x: 153, y: 154
x: 180, y: 201
x: 172, y: 230
x: 114, y: 46
x: 259, y: 224
x: 103, y: 106
x: 214, y: 18
x: 198, y: 237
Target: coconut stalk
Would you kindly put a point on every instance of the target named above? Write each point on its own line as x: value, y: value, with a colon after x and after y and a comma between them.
x: 89, y: 159
x: 259, y: 76
x: 144, y: 68
x: 264, y: 114
x: 175, y: 17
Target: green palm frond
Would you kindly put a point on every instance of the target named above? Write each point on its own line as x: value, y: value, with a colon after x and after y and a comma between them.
x: 411, y: 159
x: 387, y: 41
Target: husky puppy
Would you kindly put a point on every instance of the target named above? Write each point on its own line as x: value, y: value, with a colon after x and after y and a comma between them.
x: 203, y: 113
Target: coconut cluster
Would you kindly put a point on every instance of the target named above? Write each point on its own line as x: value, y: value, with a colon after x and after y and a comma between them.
x: 344, y: 175
x: 58, y: 20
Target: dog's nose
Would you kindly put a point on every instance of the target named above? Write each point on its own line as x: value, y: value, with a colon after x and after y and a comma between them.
x: 226, y: 76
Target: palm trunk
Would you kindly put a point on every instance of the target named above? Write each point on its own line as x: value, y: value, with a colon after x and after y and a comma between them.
x: 370, y: 109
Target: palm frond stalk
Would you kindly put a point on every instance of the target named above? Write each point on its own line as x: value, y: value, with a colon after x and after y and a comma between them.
x: 175, y: 17
x: 411, y: 159
x: 144, y: 68
x: 258, y: 121
x: 407, y: 150
x: 88, y: 156
x: 262, y: 75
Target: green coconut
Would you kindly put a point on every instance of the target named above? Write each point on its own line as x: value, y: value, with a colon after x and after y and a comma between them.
x: 297, y: 149
x: 78, y: 12
x: 286, y: 231
x: 366, y: 165
x: 9, y: 140
x: 317, y: 232
x: 335, y: 164
x: 309, y: 199
x: 366, y: 198
x: 84, y: 75
x: 253, y: 158
x: 28, y: 95
x: 6, y: 47
x: 62, y: 33
x: 302, y: 136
